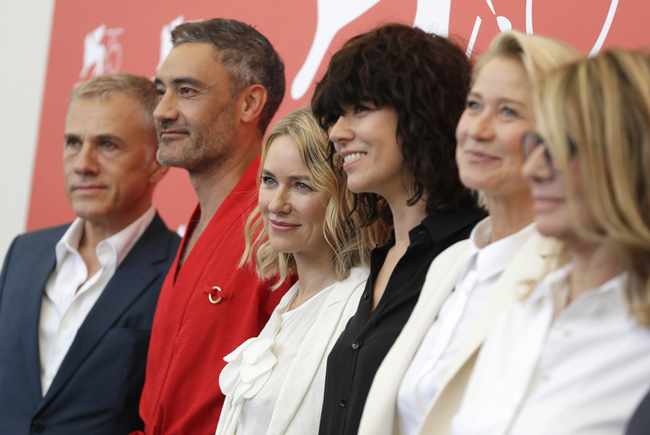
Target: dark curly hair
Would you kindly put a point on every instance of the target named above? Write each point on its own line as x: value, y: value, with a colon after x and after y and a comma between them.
x: 426, y: 79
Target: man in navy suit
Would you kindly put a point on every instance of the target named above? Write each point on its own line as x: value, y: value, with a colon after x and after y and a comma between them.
x: 77, y: 301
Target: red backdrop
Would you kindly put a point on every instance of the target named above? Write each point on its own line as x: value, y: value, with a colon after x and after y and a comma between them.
x: 95, y: 37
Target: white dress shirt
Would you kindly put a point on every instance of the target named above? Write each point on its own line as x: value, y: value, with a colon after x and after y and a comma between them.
x: 70, y: 294
x: 552, y: 368
x: 485, y: 263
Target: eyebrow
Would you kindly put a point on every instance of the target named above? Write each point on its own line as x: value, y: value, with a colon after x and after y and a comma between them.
x: 499, y: 100
x: 291, y: 177
x: 101, y: 136
x: 182, y: 80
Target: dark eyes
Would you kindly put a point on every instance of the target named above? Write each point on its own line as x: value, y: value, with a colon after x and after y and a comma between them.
x: 185, y: 90
x: 360, y: 108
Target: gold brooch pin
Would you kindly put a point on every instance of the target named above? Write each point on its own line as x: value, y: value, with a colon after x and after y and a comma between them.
x: 212, y: 301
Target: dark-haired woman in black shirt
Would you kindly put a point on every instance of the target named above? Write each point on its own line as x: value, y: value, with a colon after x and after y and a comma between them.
x: 391, y: 99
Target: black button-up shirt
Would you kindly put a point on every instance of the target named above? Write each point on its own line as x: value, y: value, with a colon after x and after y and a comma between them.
x: 364, y: 343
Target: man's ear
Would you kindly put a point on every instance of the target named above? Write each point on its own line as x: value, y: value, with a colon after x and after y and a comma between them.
x: 253, y: 99
x: 156, y: 171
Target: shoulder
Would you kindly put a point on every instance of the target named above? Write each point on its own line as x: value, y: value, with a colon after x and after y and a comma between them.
x: 159, y: 235
x: 42, y: 235
x: 46, y: 238
x: 454, y: 254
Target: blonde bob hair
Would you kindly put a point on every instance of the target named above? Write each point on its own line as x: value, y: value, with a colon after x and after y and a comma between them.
x: 538, y: 54
x: 351, y: 244
x: 599, y: 110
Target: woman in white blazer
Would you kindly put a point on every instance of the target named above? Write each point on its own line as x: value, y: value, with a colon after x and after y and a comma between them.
x: 574, y: 357
x: 420, y: 383
x: 274, y: 383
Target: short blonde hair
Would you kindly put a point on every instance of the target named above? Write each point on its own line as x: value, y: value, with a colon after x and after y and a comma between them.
x: 351, y: 243
x: 106, y: 86
x: 600, y: 107
x: 539, y: 55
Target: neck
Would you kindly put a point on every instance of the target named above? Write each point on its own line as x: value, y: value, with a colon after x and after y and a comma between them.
x: 510, y: 215
x: 213, y: 188
x: 591, y: 268
x: 405, y: 218
x: 93, y: 233
x: 314, y: 275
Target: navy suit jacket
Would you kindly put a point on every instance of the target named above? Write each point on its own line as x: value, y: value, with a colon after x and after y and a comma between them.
x: 97, y: 388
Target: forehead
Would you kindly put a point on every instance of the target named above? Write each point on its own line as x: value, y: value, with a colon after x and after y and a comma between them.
x: 283, y: 156
x: 119, y: 115
x: 195, y: 60
x: 503, y: 77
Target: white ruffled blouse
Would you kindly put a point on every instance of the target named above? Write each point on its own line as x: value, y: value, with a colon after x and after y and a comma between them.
x: 274, y: 382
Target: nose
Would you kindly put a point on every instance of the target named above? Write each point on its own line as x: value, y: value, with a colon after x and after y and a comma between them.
x: 85, y: 162
x: 166, y: 108
x: 280, y: 203
x: 535, y: 169
x: 341, y: 132
x: 481, y: 127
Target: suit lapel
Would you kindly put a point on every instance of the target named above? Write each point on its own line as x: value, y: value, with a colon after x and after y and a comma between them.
x: 514, y: 285
x: 34, y: 287
x: 310, y: 356
x: 130, y: 280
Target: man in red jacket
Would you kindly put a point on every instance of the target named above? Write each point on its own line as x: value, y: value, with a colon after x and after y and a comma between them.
x: 218, y: 90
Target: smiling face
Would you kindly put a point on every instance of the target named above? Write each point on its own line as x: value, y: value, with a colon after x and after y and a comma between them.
x: 109, y: 160
x: 366, y: 137
x: 195, y: 117
x: 499, y: 110
x: 292, y: 211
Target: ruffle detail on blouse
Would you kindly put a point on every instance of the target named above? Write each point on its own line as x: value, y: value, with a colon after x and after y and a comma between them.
x: 249, y: 367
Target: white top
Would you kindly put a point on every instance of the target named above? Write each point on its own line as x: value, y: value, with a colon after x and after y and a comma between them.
x: 66, y: 302
x: 274, y: 383
x: 485, y: 263
x: 552, y: 368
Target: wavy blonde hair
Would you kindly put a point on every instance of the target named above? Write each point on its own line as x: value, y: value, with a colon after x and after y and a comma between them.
x: 601, y: 108
x: 351, y: 243
x: 538, y: 54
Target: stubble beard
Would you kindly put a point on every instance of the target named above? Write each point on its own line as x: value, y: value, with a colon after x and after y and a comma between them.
x: 208, y: 148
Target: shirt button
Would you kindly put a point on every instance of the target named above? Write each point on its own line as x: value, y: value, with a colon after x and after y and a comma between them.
x: 38, y: 426
x: 343, y: 403
x: 355, y: 345
x: 50, y: 376
x: 65, y: 324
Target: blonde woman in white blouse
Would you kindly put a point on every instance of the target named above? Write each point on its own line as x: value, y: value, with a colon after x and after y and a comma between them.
x: 574, y: 358
x: 274, y: 383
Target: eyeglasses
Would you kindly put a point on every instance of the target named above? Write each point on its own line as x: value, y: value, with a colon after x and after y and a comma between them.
x: 531, y: 140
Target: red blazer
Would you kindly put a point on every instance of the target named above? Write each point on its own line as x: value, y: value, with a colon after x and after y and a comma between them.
x: 191, y: 333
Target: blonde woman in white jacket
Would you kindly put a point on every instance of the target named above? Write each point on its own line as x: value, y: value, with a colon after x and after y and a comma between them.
x: 574, y: 357
x: 274, y: 383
